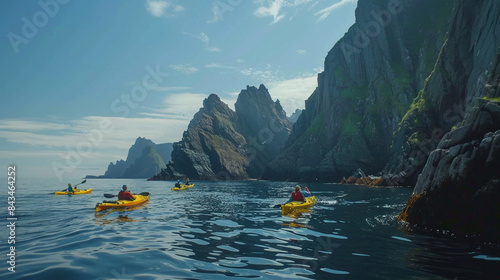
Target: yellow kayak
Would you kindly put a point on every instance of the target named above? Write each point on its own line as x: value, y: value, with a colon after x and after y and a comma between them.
x: 124, y: 204
x: 297, y: 206
x: 183, y: 187
x: 75, y: 192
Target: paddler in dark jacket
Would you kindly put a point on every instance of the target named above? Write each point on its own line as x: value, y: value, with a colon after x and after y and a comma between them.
x: 124, y: 194
x: 70, y: 189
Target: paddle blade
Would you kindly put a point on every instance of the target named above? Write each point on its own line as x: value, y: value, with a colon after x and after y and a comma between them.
x: 277, y: 206
x: 83, y: 182
x: 108, y: 195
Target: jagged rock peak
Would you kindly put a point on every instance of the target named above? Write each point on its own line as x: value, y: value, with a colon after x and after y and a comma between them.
x: 140, y: 140
x: 295, y: 115
x: 278, y: 105
x: 258, y: 98
x: 213, y: 102
x: 262, y: 91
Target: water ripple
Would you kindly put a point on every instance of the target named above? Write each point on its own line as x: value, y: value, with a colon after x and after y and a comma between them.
x: 225, y: 230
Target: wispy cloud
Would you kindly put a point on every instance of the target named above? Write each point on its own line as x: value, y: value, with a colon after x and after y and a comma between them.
x: 203, y: 37
x: 265, y: 75
x: 292, y: 93
x: 159, y: 8
x: 28, y: 125
x: 301, y: 52
x: 323, y: 14
x: 87, y: 130
x: 179, y: 106
x: 219, y: 8
x: 184, y: 68
x: 271, y: 9
x: 277, y: 9
x: 217, y: 65
x: 81, y: 145
x: 159, y: 88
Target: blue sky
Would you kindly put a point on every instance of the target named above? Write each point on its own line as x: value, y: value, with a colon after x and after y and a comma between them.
x: 81, y: 80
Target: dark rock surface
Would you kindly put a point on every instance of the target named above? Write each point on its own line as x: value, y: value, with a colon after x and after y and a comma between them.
x: 295, y: 116
x: 370, y: 77
x: 211, y: 148
x: 465, y: 63
x: 222, y: 144
x: 459, y: 188
x: 264, y: 125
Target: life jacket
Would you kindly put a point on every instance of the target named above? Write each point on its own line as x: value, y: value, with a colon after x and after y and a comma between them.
x: 297, y: 196
x: 125, y: 195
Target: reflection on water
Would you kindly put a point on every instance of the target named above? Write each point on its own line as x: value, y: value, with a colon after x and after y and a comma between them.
x: 455, y: 258
x: 102, y: 220
x: 106, y: 212
x: 230, y: 230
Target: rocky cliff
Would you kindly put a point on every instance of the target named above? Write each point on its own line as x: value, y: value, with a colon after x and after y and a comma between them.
x: 211, y: 148
x: 466, y: 60
x: 143, y: 152
x: 295, y: 115
x: 146, y: 165
x: 370, y: 78
x: 264, y: 125
x: 224, y: 144
x: 459, y: 187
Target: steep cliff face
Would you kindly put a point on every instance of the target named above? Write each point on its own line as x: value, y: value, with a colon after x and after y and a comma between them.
x: 264, y: 124
x: 225, y: 144
x: 146, y: 165
x: 116, y: 170
x: 459, y: 187
x: 370, y: 77
x: 154, y: 158
x: 295, y: 116
x: 466, y: 60
x: 212, y: 147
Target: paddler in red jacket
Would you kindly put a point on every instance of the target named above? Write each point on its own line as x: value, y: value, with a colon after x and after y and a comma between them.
x: 297, y: 194
x: 124, y: 194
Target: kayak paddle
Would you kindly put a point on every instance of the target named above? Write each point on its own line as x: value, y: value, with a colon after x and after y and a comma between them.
x: 83, y: 182
x: 108, y: 195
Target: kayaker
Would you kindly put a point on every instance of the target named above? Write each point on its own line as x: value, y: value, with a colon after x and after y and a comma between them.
x: 124, y: 194
x: 187, y: 182
x: 297, y: 195
x: 178, y: 184
x: 70, y: 188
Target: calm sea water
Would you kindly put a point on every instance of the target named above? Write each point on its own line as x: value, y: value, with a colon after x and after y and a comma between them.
x: 230, y: 230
